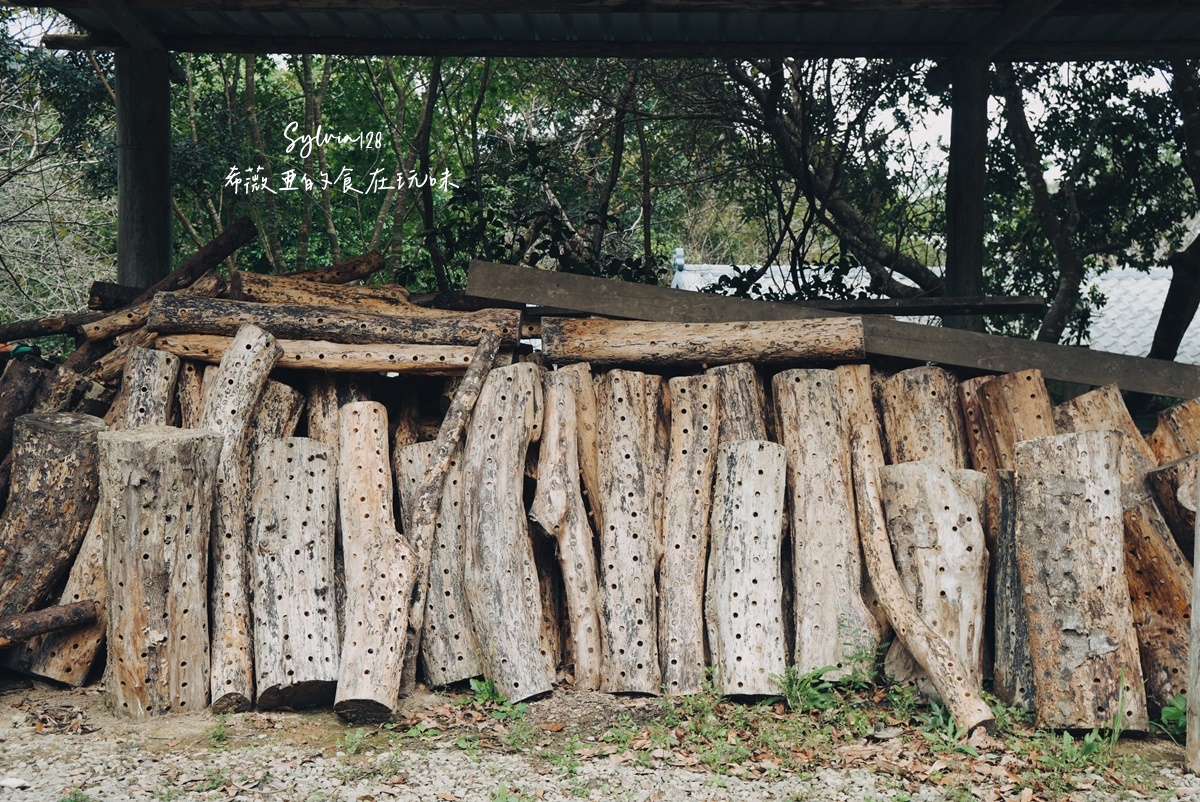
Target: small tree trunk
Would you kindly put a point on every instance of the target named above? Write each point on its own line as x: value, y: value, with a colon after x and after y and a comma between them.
x: 379, y: 570
x: 981, y: 448
x: 295, y: 625
x: 631, y: 467
x: 687, y: 510
x: 558, y: 508
x: 1082, y: 642
x: 322, y: 412
x: 18, y: 388
x: 1174, y: 485
x: 23, y: 626
x: 502, y: 584
x: 54, y: 467
x: 1177, y: 433
x: 1013, y: 668
x: 833, y: 621
x: 742, y: 410
x: 189, y: 392
x: 158, y: 490
x: 230, y: 405
x: 586, y: 412
x: 933, y: 522
x: 744, y: 602
x: 922, y: 419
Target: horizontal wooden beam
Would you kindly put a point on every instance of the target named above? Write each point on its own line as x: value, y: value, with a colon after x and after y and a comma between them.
x: 883, y: 337
x: 1022, y: 304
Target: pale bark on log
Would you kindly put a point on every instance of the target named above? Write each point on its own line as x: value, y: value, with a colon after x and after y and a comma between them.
x: 686, y: 513
x: 934, y: 525
x: 614, y: 342
x: 321, y: 408
x: 981, y: 448
x: 208, y: 285
x: 1177, y: 433
x: 741, y: 413
x: 355, y: 268
x: 449, y: 649
x: 744, y: 598
x: 24, y: 626
x: 1100, y: 410
x: 422, y: 360
x: 1016, y: 407
x: 586, y: 413
x: 1013, y: 666
x: 189, y: 391
x: 947, y: 673
x: 1068, y: 542
x: 922, y: 419
x: 276, y: 416
x: 502, y: 583
x: 1174, y: 485
x: 109, y: 367
x: 833, y: 622
x: 229, y: 407
x: 186, y: 314
x: 558, y: 508
x: 294, y: 505
x: 379, y: 570
x: 55, y: 481
x: 630, y: 409
x: 158, y: 490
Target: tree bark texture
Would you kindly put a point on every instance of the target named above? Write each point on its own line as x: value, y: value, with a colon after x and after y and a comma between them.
x: 23, y: 626
x: 189, y: 392
x: 1177, y: 433
x: 380, y: 299
x: 158, y: 486
x: 744, y: 597
x: 1174, y: 486
x: 558, y: 508
x: 1068, y: 543
x: 586, y: 413
x: 18, y: 388
x: 379, y: 570
x: 741, y: 408
x: 922, y: 419
x: 632, y: 465
x: 230, y: 405
x: 55, y: 488
x: 294, y: 505
x: 502, y: 584
x: 424, y: 360
x: 1013, y: 667
x: 834, y: 624
x: 133, y: 317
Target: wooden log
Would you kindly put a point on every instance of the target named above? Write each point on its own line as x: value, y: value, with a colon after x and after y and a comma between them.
x: 449, y: 649
x: 379, y: 570
x: 558, y: 508
x: 981, y: 448
x: 186, y: 314
x: 741, y: 409
x: 833, y: 621
x: 686, y: 513
x: 229, y: 407
x: 158, y: 486
x: 189, y: 391
x: 1016, y: 407
x: 46, y: 326
x: 109, y: 367
x: 934, y: 525
x: 1013, y: 667
x: 107, y: 295
x: 55, y: 481
x: 64, y: 390
x: 922, y: 419
x: 149, y: 381
x: 589, y: 451
x: 1156, y: 571
x: 425, y: 360
x: 208, y: 285
x: 1177, y: 432
x: 947, y: 673
x: 502, y: 585
x: 744, y: 603
x: 1082, y: 642
x: 404, y: 417
x: 614, y: 342
x: 18, y: 388
x: 276, y: 416
x: 295, y: 624
x: 379, y: 299
x: 1174, y: 487
x: 355, y: 268
x: 22, y: 627
x: 1192, y: 743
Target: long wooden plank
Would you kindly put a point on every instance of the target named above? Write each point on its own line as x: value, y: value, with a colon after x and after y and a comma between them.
x: 429, y: 360
x: 883, y: 337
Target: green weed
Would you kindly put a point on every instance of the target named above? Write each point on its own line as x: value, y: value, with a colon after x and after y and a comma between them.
x: 352, y: 742
x: 217, y: 735
x: 75, y: 796
x: 808, y: 691
x: 1173, y: 719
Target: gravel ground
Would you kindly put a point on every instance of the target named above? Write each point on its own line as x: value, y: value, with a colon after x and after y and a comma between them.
x: 309, y: 757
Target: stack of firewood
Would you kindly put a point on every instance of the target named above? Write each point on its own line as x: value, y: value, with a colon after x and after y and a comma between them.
x: 306, y: 492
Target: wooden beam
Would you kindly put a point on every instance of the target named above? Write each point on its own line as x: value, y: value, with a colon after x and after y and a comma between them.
x: 134, y: 31
x: 980, y: 305
x: 1016, y: 18
x: 910, y: 341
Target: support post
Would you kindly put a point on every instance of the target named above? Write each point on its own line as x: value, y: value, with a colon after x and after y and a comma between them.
x: 966, y: 177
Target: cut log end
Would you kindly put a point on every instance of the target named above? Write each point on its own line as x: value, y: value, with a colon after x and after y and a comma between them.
x: 230, y: 703
x: 297, y: 696
x: 363, y: 711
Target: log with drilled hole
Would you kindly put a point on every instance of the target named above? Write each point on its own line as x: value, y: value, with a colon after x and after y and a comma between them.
x: 18, y: 387
x: 981, y: 451
x: 158, y: 487
x: 1069, y: 549
x: 922, y: 419
x: 1013, y: 676
x: 741, y: 411
x: 189, y: 393
x: 424, y: 360
x: 379, y: 569
x: 276, y: 416
x: 744, y: 602
x: 1177, y: 433
x: 389, y: 299
x: 586, y: 414
x: 293, y: 506
x: 934, y: 526
x: 229, y: 407
x: 686, y: 512
x: 1174, y: 486
x: 632, y: 465
x: 558, y: 509
x: 502, y: 585
x: 833, y: 623
x: 23, y: 626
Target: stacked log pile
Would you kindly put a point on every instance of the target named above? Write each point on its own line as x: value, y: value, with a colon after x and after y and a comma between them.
x: 382, y: 492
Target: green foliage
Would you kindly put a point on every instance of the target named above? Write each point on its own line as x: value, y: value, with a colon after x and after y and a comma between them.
x: 807, y: 691
x: 352, y: 742
x: 216, y: 734
x: 943, y: 732
x: 1173, y: 719
x: 485, y: 695
x: 75, y: 796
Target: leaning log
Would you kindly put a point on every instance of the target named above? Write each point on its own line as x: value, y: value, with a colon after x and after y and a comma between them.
x: 1013, y: 666
x: 355, y: 268
x: 55, y: 481
x: 981, y: 449
x: 23, y: 626
x: 107, y: 368
x: 1174, y: 486
x: 158, y: 486
x: 1177, y: 433
x: 46, y: 326
x: 558, y: 508
x: 922, y: 419
x: 18, y: 387
x: 744, y: 603
x: 1068, y: 538
x: 502, y: 585
x: 208, y: 285
x: 379, y: 570
x: 615, y: 342
x: 172, y: 313
x: 947, y: 673
x: 291, y: 543
x: 229, y: 407
x: 589, y: 452
x: 389, y: 299
x: 631, y: 467
x: 832, y: 621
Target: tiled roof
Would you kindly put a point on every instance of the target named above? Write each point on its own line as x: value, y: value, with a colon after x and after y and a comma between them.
x: 1126, y: 323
